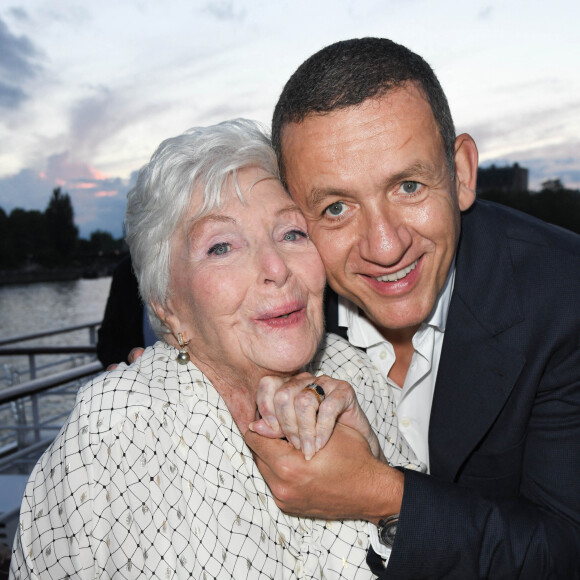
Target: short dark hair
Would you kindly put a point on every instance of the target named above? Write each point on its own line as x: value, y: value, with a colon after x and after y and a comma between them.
x: 347, y: 73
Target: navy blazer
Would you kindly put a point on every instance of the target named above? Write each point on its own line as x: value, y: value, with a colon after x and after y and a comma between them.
x: 503, y: 497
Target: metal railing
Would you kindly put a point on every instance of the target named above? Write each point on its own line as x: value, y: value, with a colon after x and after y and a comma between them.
x: 32, y: 412
x: 92, y: 326
x: 15, y: 374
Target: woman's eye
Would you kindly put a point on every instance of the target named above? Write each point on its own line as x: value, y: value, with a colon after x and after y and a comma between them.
x: 410, y: 187
x: 294, y: 235
x: 336, y: 209
x: 220, y: 249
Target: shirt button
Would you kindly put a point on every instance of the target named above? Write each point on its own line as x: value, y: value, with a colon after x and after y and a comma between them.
x: 383, y: 354
x: 405, y: 422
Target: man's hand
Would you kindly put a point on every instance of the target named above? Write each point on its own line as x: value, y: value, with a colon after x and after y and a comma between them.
x: 287, y: 410
x: 133, y: 356
x: 343, y: 481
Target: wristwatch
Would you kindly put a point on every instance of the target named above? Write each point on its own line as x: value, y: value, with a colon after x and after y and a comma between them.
x: 387, y: 530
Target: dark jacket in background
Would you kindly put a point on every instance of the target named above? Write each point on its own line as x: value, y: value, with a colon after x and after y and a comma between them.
x: 122, y: 327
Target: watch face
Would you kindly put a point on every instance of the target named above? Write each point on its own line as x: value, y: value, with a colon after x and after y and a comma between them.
x: 388, y: 530
x: 388, y: 534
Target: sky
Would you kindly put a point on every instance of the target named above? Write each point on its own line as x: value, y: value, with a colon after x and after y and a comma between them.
x: 88, y: 90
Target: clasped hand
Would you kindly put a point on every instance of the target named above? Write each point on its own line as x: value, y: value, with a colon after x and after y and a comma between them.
x: 289, y: 410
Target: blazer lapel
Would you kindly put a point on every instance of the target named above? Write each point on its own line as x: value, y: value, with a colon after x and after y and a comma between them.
x: 477, y: 369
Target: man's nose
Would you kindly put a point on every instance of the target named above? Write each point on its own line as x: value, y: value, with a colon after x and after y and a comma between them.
x: 384, y: 237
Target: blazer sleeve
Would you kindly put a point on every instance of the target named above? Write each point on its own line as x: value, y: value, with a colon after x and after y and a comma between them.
x: 448, y: 530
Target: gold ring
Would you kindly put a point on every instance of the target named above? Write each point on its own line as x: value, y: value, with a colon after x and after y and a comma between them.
x: 317, y: 391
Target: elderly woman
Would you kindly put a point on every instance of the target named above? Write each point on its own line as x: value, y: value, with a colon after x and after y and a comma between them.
x: 150, y: 475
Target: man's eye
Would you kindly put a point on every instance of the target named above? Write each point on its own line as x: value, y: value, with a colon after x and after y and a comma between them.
x: 410, y: 187
x: 336, y: 209
x: 220, y: 249
x: 294, y: 235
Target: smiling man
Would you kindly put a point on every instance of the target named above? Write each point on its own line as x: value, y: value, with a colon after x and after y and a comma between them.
x: 470, y: 310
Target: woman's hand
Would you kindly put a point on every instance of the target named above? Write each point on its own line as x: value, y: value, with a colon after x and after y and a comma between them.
x: 289, y: 410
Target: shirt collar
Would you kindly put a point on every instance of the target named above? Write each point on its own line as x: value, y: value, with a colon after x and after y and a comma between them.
x: 362, y: 333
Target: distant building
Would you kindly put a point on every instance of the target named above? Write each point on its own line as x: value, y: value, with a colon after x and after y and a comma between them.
x: 505, y: 179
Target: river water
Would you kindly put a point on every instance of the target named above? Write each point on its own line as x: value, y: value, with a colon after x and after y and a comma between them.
x: 30, y: 308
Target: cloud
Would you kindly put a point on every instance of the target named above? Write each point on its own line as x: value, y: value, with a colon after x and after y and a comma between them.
x: 557, y: 161
x: 225, y: 10
x: 554, y: 163
x: 18, y: 63
x: 485, y: 12
x: 98, y: 200
x: 546, y: 141
x: 101, y: 204
x: 10, y: 96
x: 106, y: 193
x: 62, y: 166
x: 94, y: 118
x: 107, y: 120
x: 27, y: 190
x: 16, y: 54
x: 18, y: 13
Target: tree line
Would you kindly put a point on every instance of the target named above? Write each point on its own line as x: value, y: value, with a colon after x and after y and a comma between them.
x: 50, y: 238
x: 554, y: 203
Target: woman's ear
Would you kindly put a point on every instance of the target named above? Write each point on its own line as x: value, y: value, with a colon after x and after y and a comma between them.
x: 166, y: 315
x: 466, y: 161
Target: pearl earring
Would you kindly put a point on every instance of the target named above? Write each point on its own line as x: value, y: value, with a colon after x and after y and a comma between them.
x: 183, y: 355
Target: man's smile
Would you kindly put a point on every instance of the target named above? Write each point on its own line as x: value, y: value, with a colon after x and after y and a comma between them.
x: 399, y: 274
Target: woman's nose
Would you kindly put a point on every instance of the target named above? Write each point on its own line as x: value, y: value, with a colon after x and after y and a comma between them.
x: 274, y: 267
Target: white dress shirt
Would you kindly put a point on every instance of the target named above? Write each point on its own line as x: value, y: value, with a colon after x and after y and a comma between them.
x: 413, y: 401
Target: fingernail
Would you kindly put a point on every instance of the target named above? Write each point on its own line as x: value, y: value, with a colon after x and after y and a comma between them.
x: 308, y: 451
x: 251, y: 426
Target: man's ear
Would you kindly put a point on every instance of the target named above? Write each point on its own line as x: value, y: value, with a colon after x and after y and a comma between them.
x: 466, y: 160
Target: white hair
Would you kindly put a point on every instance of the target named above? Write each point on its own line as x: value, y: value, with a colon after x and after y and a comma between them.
x: 203, y: 157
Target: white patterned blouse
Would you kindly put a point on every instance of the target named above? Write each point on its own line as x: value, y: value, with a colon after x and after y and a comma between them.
x: 151, y: 478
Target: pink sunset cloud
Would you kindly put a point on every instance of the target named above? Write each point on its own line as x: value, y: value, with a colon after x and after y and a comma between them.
x: 84, y: 185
